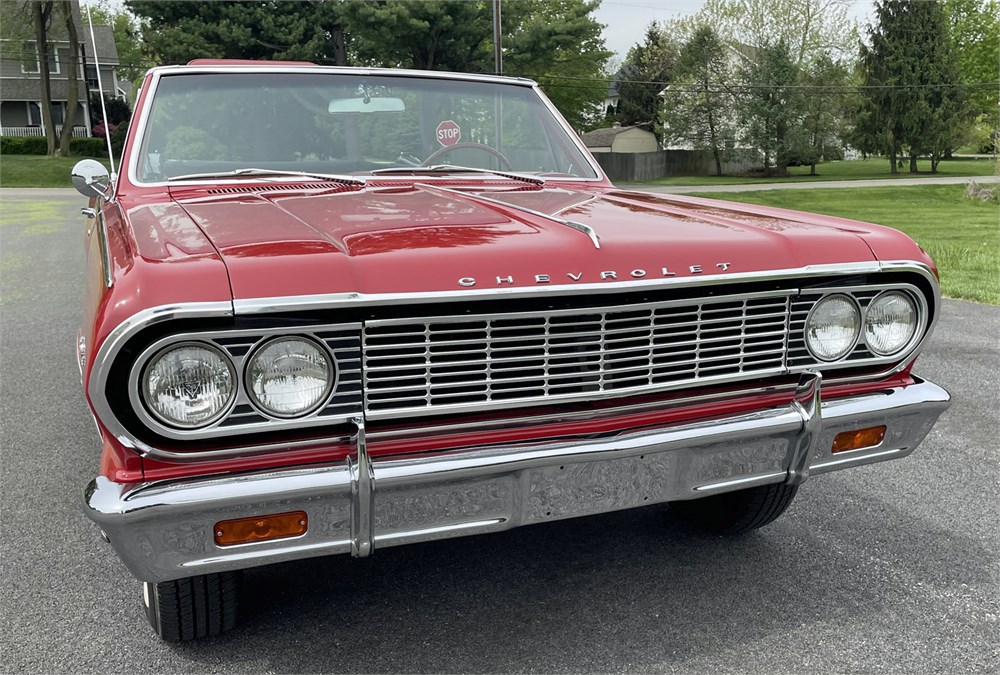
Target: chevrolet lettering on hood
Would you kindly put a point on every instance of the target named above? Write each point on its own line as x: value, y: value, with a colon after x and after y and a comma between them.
x: 607, y: 275
x: 316, y: 324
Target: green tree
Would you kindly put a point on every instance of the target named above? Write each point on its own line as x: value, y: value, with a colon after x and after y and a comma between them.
x: 176, y: 32
x: 771, y: 105
x: 824, y: 110
x: 810, y: 28
x: 913, y: 98
x: 645, y: 72
x: 30, y: 31
x: 975, y: 35
x: 133, y: 61
x: 559, y: 44
x: 698, y: 107
x: 556, y: 42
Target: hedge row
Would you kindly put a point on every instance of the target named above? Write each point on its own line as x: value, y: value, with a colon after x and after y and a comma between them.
x: 37, y: 145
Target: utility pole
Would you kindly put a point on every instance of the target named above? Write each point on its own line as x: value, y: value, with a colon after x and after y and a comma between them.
x: 497, y: 52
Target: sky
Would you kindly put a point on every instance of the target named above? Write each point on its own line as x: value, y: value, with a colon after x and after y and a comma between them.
x: 625, y: 21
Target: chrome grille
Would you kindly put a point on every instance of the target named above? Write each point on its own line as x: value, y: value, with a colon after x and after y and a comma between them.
x: 440, y: 364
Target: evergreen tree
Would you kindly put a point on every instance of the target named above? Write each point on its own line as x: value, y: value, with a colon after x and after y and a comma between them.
x: 644, y: 74
x: 913, y: 97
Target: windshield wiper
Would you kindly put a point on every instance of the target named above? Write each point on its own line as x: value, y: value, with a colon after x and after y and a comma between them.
x: 453, y: 168
x: 350, y: 180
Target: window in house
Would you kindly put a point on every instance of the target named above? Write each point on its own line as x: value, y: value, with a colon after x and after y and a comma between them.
x: 90, y: 73
x: 29, y: 59
x: 58, y: 109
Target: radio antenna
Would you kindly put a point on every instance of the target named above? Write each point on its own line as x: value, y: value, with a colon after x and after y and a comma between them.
x: 100, y: 90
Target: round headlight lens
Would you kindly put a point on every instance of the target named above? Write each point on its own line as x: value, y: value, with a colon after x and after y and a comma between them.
x: 890, y: 323
x: 288, y: 377
x: 832, y: 327
x: 189, y: 386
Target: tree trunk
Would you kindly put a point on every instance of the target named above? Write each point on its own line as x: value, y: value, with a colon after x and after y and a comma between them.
x: 339, y: 46
x: 41, y: 13
x: 892, y: 157
x: 935, y: 160
x: 913, y: 163
x: 714, y: 141
x: 72, y: 97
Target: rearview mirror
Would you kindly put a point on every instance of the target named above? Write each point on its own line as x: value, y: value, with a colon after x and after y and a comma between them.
x: 366, y: 105
x: 90, y: 178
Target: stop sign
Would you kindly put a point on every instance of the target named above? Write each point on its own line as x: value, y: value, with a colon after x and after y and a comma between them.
x: 448, y: 133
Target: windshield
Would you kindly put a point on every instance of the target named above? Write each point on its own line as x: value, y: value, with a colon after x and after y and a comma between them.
x: 335, y: 123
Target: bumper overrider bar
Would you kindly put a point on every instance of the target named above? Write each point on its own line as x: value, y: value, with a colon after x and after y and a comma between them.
x: 164, y: 530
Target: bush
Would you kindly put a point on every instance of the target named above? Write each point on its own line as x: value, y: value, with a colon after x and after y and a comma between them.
x: 118, y: 138
x: 31, y: 145
x: 37, y: 145
x: 91, y: 147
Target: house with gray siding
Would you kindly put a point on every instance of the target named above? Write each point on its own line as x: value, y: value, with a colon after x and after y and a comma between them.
x: 20, y: 78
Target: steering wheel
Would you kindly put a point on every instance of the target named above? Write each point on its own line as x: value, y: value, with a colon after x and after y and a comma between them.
x: 472, y: 146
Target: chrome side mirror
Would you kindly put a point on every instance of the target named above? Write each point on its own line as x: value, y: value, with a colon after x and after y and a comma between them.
x: 91, y: 179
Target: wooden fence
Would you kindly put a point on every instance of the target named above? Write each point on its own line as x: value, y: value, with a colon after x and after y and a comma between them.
x: 630, y: 167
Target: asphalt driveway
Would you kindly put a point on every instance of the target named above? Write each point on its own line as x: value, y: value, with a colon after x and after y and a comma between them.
x: 888, y: 568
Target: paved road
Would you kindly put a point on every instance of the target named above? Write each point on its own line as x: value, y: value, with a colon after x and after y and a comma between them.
x: 810, y: 185
x: 888, y: 568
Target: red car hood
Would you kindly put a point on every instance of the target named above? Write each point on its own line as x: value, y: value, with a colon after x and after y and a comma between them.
x: 419, y: 238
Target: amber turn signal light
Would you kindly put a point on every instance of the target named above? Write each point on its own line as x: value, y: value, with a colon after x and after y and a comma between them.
x: 261, y: 528
x: 855, y: 440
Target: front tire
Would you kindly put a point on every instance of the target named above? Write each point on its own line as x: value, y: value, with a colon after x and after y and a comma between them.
x: 737, y: 512
x: 192, y: 608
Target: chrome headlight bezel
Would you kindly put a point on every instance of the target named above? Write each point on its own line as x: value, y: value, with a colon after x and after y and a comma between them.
x: 154, y: 358
x: 329, y: 388
x: 858, y: 329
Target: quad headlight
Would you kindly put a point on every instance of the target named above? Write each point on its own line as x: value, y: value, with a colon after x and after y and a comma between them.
x: 289, y: 376
x: 189, y: 385
x: 833, y: 327
x: 890, y: 323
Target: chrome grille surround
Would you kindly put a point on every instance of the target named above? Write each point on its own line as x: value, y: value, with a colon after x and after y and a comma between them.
x: 454, y: 364
x: 344, y: 402
x: 101, y: 361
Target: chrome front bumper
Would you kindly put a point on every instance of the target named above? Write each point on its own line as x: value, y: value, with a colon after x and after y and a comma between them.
x: 165, y: 530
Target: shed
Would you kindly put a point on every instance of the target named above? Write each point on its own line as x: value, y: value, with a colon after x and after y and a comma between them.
x: 620, y: 139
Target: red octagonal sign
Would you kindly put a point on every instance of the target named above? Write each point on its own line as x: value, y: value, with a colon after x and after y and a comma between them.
x: 448, y: 133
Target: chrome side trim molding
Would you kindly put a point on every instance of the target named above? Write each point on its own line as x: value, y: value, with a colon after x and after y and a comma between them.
x: 362, y: 494
x: 102, y: 238
x: 579, y: 227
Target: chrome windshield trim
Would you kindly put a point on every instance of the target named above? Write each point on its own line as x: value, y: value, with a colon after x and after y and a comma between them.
x: 167, y: 71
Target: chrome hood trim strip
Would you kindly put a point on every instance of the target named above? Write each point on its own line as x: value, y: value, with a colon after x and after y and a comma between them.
x: 250, y: 306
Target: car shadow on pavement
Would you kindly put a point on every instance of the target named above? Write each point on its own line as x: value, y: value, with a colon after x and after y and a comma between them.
x: 628, y: 590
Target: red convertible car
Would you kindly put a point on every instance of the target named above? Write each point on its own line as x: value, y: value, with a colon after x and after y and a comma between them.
x: 331, y: 310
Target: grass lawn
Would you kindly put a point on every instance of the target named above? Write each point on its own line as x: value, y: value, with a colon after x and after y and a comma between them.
x: 857, y: 169
x: 962, y: 235
x: 38, y: 170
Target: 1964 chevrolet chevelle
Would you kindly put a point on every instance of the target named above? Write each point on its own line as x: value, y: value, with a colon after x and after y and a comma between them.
x: 331, y: 310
